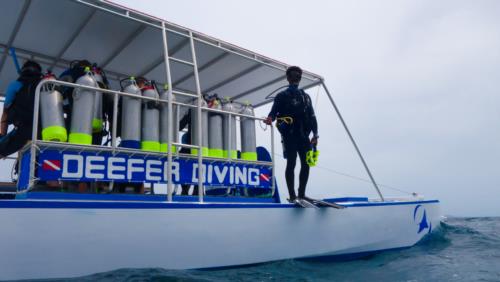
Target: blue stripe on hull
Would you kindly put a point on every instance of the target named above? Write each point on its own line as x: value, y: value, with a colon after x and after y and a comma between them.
x: 138, y: 198
x: 162, y: 198
x: 38, y: 204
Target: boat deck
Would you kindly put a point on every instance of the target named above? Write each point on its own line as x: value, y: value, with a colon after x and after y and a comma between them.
x: 141, y: 201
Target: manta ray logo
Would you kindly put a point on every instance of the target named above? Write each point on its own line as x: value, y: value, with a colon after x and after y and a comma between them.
x: 420, y: 217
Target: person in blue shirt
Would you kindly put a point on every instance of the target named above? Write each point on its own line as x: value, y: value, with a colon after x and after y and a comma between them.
x: 18, y: 109
x: 296, y: 121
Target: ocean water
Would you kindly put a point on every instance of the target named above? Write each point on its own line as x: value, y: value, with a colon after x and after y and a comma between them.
x: 462, y: 249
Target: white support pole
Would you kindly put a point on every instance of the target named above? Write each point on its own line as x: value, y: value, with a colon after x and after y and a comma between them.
x: 114, y: 127
x: 34, y: 136
x: 169, y: 110
x: 176, y: 126
x: 229, y: 136
x: 198, y: 120
x: 352, y: 140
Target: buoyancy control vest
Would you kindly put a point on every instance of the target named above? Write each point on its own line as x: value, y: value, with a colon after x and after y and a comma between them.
x: 293, y: 113
x: 79, y: 68
x: 21, y: 110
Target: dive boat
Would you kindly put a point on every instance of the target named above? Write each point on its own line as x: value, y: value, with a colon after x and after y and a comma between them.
x: 236, y: 218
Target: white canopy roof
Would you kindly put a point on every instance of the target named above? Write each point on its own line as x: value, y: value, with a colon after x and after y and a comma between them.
x: 129, y: 43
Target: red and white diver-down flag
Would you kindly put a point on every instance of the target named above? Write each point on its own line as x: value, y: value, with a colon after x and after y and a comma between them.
x: 265, y: 177
x: 54, y: 165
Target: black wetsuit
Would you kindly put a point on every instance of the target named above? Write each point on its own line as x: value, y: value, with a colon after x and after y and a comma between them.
x: 186, y: 139
x: 295, y: 104
x: 20, y: 114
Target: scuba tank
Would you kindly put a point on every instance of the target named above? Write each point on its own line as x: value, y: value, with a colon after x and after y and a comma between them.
x: 204, y: 129
x: 131, y: 121
x: 164, y: 123
x: 51, y: 107
x: 229, y: 107
x: 215, y: 135
x: 97, y: 110
x: 248, y: 137
x: 82, y: 113
x: 150, y: 119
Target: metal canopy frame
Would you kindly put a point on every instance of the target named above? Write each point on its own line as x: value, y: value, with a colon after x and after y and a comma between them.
x: 123, y: 45
x: 161, y: 59
x: 14, y: 32
x: 226, y: 51
x: 72, y: 38
x: 201, y: 68
x: 232, y: 78
x: 214, y: 55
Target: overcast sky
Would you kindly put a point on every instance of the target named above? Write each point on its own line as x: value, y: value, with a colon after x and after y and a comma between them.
x: 417, y: 82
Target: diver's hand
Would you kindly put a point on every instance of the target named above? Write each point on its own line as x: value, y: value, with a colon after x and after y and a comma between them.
x: 268, y: 120
x: 314, y: 140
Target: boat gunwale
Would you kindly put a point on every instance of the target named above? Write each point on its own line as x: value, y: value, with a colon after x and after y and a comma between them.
x: 145, y: 204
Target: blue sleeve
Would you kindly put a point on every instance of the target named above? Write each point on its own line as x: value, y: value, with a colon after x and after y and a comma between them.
x: 65, y: 73
x: 10, y: 95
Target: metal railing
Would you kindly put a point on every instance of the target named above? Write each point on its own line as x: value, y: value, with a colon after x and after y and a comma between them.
x: 34, y: 145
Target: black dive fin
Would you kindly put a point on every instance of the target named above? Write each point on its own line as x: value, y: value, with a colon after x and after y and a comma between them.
x: 304, y: 203
x: 325, y: 203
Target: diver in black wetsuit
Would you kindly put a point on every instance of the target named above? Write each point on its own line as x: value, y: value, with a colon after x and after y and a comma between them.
x: 186, y: 139
x: 18, y: 109
x: 295, y: 120
x: 185, y: 122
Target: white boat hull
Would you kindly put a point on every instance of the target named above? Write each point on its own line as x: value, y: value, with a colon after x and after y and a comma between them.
x: 44, y: 239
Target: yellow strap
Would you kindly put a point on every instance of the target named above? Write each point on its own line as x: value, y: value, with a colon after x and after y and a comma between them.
x: 287, y: 120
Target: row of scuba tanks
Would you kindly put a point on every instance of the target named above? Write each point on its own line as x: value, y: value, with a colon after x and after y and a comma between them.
x: 144, y: 124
